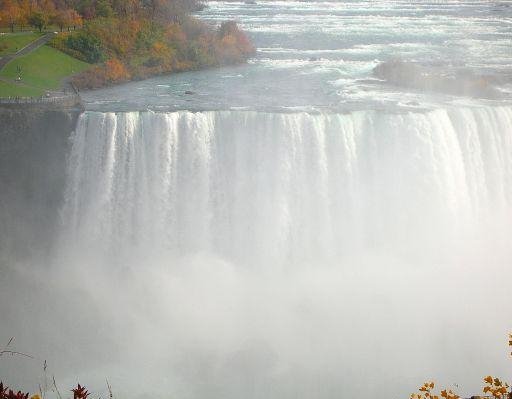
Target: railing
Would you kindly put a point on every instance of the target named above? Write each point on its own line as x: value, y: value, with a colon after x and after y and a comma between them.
x: 68, y: 99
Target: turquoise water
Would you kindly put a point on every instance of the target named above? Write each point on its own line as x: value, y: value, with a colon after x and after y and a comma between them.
x: 317, y: 55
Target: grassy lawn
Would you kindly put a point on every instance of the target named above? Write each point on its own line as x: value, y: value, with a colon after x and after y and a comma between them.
x: 10, y: 43
x: 8, y: 89
x: 42, y: 69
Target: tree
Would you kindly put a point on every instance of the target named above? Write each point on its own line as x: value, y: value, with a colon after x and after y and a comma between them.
x: 66, y: 18
x: 115, y: 70
x: 11, y: 13
x: 74, y: 19
x: 86, y: 9
x: 38, y: 20
x: 25, y: 9
x: 126, y: 8
x: 61, y: 19
x: 103, y: 9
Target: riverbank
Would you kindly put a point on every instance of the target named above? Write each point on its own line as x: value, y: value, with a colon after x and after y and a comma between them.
x: 111, y: 44
x: 151, y: 49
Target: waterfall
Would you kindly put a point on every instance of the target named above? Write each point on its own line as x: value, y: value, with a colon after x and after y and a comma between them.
x: 240, y: 254
x: 286, y: 188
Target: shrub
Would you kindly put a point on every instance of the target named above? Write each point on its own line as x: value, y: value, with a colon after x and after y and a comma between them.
x: 233, y: 44
x: 80, y: 392
x: 147, y: 36
x: 115, y: 71
x: 227, y: 28
x: 90, y: 79
x: 103, y: 9
x: 88, y: 46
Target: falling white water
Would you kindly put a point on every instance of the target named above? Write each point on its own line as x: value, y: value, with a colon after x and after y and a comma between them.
x: 286, y: 188
x: 229, y: 255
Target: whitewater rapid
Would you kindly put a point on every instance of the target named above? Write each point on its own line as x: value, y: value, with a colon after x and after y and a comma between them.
x: 289, y: 188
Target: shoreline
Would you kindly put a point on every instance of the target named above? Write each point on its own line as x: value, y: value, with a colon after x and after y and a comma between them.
x: 54, y: 100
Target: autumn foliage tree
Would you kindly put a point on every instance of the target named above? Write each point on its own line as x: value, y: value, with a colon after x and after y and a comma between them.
x: 494, y: 388
x: 115, y: 71
x: 66, y: 19
x: 17, y: 12
x: 11, y: 13
x: 426, y: 391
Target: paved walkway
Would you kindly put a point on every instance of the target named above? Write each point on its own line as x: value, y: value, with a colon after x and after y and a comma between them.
x: 27, y: 49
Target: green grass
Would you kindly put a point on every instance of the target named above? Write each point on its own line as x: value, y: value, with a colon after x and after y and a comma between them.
x: 43, y: 69
x: 10, y: 43
x: 28, y: 28
x: 8, y: 89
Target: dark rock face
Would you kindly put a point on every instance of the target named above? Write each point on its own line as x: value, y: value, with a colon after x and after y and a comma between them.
x: 33, y: 150
x: 436, y: 78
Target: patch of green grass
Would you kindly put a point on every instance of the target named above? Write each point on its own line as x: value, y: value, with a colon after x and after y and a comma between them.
x: 42, y: 69
x: 11, y: 43
x: 29, y: 29
x: 8, y: 89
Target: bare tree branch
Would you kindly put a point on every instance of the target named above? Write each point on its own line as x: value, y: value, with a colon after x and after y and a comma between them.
x: 5, y: 351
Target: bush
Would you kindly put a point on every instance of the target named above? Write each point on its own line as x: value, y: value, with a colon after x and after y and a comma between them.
x: 147, y: 36
x: 115, y: 71
x: 88, y: 46
x: 232, y: 46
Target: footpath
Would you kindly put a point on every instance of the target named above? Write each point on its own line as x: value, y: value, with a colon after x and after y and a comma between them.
x: 27, y: 49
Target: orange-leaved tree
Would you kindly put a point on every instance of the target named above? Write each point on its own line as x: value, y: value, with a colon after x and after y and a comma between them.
x: 494, y: 388
x: 426, y: 392
x: 11, y: 13
x: 115, y: 71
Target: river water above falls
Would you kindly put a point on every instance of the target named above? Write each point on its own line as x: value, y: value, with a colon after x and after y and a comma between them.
x: 297, y: 227
x: 321, y: 55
